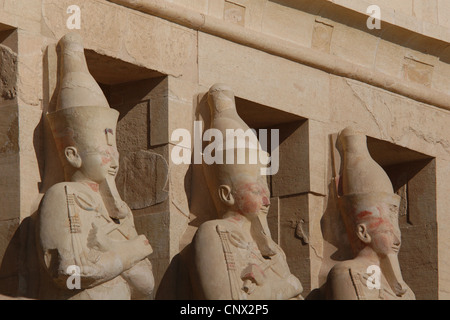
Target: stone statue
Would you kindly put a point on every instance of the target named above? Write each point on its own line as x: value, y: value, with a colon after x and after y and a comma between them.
x: 87, y: 240
x: 234, y: 257
x: 369, y: 208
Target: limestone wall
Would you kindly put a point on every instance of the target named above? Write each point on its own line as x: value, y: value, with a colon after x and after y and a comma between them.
x: 307, y: 67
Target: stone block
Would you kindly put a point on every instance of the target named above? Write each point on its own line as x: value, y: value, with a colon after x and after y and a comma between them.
x: 426, y: 10
x: 443, y: 9
x: 321, y: 37
x: 161, y: 45
x: 234, y: 13
x: 440, y: 79
x: 9, y: 162
x: 294, y: 237
x: 142, y: 179
x: 264, y: 78
x: 354, y: 45
x: 417, y: 71
x: 287, y: 23
x: 317, y: 148
x: 196, y: 5
x: 101, y: 23
x: 389, y: 58
x: 26, y: 9
x: 133, y: 129
x: 293, y: 176
x: 404, y: 6
x: 30, y: 68
x: 8, y: 75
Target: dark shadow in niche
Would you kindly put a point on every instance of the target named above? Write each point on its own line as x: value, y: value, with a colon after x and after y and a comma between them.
x: 9, y: 269
x: 19, y: 271
x: 176, y: 282
x: 200, y: 203
x: 332, y: 225
x: 49, y: 163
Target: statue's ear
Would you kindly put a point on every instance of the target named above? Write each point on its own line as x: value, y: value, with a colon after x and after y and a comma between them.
x: 225, y: 195
x: 363, y: 235
x: 73, y: 157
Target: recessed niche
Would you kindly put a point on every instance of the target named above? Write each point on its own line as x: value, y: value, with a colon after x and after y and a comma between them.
x: 413, y: 176
x: 288, y: 218
x: 141, y: 97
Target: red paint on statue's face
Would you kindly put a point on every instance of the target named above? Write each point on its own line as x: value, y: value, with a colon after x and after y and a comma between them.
x: 99, y: 163
x: 252, y: 197
x: 382, y: 226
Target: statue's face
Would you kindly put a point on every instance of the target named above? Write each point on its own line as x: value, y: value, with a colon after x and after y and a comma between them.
x: 252, y: 195
x: 100, y: 162
x: 384, y: 231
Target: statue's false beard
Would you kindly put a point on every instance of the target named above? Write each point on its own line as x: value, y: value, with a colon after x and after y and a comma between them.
x: 262, y: 237
x: 390, y: 268
x: 116, y: 207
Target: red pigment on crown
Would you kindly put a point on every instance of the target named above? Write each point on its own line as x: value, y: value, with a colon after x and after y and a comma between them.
x: 363, y: 214
x: 376, y: 223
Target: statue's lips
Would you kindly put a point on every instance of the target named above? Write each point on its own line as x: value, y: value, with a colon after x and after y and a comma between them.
x: 264, y: 209
x: 112, y: 172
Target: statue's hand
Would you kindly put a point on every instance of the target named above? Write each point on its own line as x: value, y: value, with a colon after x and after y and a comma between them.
x: 98, y: 240
x: 143, y: 244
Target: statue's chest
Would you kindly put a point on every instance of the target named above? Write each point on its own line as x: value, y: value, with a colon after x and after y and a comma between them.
x: 87, y: 210
x: 368, y: 291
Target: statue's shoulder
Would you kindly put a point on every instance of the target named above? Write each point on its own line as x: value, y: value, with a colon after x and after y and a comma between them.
x: 342, y: 269
x: 57, y: 198
x: 61, y: 189
x: 211, y: 232
x: 216, y: 226
x: 208, y: 228
x: 53, y: 217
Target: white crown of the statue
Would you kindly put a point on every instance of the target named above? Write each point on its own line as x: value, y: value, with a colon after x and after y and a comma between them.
x: 235, y: 132
x: 83, y: 116
x: 221, y: 98
x: 240, y: 144
x: 374, y: 191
